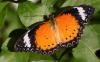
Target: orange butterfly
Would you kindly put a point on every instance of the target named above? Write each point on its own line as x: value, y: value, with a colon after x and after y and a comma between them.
x: 63, y: 29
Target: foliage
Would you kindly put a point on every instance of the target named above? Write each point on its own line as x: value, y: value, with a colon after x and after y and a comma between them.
x: 27, y: 13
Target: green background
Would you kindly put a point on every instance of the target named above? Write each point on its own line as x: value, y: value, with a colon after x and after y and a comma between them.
x: 27, y: 13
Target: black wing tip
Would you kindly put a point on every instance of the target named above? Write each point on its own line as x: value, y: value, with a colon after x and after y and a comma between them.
x: 89, y: 8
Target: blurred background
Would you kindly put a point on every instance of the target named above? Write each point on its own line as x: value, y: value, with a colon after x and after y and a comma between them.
x: 17, y: 15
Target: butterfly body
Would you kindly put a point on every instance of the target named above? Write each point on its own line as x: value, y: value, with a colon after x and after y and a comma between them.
x: 61, y: 30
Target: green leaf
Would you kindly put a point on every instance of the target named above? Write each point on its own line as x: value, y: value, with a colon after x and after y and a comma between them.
x: 4, y: 46
x: 85, y: 52
x: 2, y: 14
x: 12, y: 21
x: 30, y: 13
x: 49, y: 2
x: 39, y: 57
x: 14, y: 57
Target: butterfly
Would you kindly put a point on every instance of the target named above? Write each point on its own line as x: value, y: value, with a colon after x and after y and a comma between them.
x: 61, y: 29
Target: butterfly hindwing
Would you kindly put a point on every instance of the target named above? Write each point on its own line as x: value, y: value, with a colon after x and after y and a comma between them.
x: 24, y: 43
x: 38, y: 39
x: 44, y: 39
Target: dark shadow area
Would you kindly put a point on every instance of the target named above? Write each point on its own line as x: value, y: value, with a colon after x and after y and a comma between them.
x: 63, y: 55
x: 97, y: 53
x: 1, y: 41
x: 57, y: 5
x: 14, y: 36
x: 66, y: 55
x: 95, y: 19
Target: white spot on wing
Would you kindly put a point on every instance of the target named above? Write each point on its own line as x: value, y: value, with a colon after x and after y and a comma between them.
x: 27, y: 40
x: 81, y: 12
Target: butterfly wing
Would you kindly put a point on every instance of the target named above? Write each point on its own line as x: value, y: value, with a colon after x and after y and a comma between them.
x: 71, y: 22
x: 38, y: 39
x: 44, y: 39
x: 24, y: 43
x: 69, y: 29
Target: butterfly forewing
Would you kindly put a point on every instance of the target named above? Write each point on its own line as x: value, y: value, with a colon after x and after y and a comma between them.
x: 68, y: 27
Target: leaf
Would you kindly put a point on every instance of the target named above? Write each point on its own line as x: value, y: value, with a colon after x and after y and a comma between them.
x: 4, y: 46
x: 12, y: 56
x: 85, y: 52
x: 2, y: 14
x: 39, y: 57
x: 12, y: 21
x: 30, y: 13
